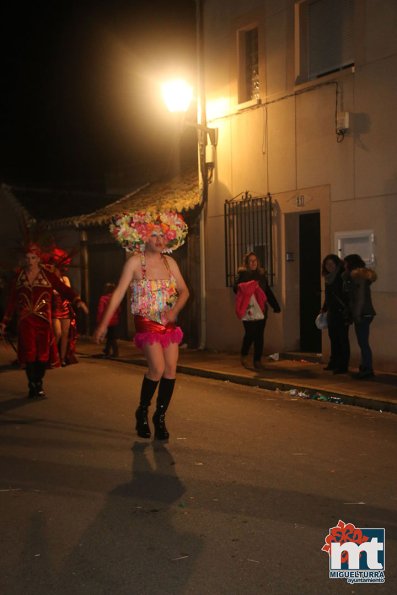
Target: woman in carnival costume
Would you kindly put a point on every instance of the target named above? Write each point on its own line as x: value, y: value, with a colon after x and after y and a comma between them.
x: 63, y: 315
x: 158, y: 294
x: 30, y: 296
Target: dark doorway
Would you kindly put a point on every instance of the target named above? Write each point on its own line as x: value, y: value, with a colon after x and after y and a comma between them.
x: 309, y: 281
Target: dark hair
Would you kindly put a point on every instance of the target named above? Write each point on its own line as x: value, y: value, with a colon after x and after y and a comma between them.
x: 109, y: 287
x: 335, y: 259
x: 354, y: 261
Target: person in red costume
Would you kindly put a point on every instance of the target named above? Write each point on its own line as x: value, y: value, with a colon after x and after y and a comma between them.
x: 30, y: 296
x: 111, y: 334
x: 63, y: 315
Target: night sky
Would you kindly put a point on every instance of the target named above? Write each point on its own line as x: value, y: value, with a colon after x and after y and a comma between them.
x: 80, y: 95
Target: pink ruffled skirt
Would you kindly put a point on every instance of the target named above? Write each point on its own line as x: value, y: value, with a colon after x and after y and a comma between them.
x: 149, y: 332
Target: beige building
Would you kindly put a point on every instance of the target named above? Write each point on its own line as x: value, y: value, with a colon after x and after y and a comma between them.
x: 303, y: 94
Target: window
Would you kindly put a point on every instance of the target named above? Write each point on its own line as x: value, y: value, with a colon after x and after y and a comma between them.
x: 248, y: 227
x: 249, y: 65
x: 324, y: 37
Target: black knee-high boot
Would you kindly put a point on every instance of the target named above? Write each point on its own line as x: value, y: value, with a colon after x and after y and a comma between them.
x: 147, y: 391
x: 166, y: 389
x: 30, y: 373
x: 39, y: 371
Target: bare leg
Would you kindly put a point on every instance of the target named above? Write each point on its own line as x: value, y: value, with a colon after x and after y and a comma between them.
x: 56, y: 325
x: 155, y: 360
x: 171, y: 354
x: 65, y: 326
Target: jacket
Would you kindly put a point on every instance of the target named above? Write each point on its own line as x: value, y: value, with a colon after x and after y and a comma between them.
x: 245, y: 275
x: 358, y: 283
x: 102, y: 305
x: 336, y: 302
x: 34, y: 301
x: 244, y: 293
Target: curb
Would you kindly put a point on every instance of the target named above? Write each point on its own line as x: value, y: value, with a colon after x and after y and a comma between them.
x: 310, y: 392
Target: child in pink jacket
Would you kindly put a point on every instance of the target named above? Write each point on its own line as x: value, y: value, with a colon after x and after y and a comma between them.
x: 111, y: 335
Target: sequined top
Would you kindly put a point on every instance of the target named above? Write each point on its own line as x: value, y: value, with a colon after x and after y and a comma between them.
x: 152, y: 297
x: 34, y: 299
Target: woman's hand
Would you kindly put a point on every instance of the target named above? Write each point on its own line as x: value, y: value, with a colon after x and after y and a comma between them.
x: 99, y: 334
x: 169, y: 316
x: 82, y: 306
x: 2, y: 329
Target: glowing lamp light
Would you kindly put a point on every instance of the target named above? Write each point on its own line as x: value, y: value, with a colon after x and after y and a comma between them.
x: 177, y: 95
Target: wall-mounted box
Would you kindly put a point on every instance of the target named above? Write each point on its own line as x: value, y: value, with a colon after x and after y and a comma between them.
x: 360, y: 242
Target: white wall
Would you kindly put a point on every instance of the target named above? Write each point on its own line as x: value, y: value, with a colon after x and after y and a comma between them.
x: 287, y: 145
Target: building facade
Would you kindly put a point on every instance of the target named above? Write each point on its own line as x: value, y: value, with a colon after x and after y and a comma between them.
x: 303, y: 95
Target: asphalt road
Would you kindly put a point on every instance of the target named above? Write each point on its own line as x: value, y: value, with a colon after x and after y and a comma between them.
x: 238, y: 502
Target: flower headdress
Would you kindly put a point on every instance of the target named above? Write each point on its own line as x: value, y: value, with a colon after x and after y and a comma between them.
x: 133, y: 230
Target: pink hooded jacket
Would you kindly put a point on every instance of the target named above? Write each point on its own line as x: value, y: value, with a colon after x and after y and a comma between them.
x: 244, y: 293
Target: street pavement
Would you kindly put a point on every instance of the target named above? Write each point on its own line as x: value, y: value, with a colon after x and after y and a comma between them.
x: 238, y: 502
x: 300, y: 377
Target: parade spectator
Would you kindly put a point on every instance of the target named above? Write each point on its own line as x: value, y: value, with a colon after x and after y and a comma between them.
x: 338, y: 315
x: 357, y: 283
x: 253, y: 296
x: 111, y: 345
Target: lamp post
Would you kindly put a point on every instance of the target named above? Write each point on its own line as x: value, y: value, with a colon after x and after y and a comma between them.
x: 177, y: 96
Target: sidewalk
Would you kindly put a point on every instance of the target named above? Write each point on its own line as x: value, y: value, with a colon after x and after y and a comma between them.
x: 297, y: 377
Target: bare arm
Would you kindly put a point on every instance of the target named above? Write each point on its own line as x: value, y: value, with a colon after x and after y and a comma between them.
x: 126, y: 277
x: 183, y: 292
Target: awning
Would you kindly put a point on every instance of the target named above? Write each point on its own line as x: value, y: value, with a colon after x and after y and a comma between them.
x: 181, y: 193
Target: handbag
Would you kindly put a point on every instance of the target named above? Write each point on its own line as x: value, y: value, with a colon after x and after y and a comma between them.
x: 321, y: 321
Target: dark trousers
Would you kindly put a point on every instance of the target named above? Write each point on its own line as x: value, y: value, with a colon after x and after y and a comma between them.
x: 362, y: 334
x: 111, y: 342
x: 338, y: 333
x: 254, y: 331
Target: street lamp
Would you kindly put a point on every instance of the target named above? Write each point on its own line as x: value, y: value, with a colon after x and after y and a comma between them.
x: 177, y: 95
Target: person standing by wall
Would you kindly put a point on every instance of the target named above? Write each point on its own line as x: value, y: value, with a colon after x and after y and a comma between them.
x: 111, y: 346
x: 357, y: 283
x: 158, y: 294
x: 253, y: 295
x: 338, y: 318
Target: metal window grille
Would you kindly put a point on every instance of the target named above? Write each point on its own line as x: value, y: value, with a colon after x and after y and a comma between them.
x: 248, y: 227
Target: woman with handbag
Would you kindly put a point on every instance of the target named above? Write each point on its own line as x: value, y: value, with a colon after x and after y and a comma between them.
x: 253, y: 295
x: 338, y: 318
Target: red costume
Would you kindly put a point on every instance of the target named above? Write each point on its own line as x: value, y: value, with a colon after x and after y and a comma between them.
x: 61, y: 308
x: 32, y: 302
